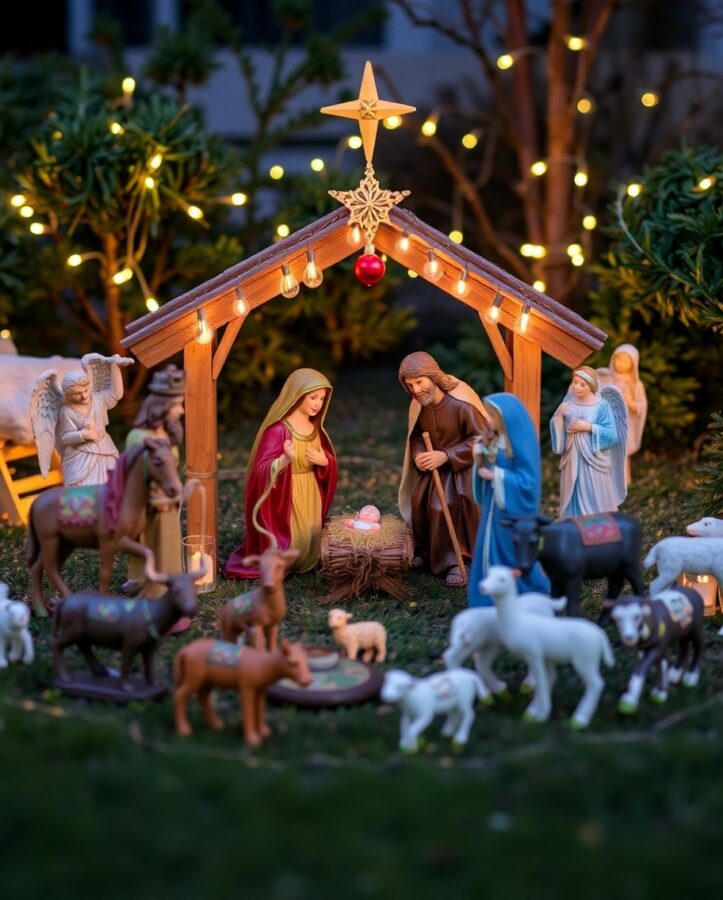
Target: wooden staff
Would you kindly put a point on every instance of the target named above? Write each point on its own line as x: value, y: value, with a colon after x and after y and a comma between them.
x: 445, y: 510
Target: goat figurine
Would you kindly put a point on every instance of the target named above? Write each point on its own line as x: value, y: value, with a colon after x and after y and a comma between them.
x: 652, y: 625
x: 261, y: 610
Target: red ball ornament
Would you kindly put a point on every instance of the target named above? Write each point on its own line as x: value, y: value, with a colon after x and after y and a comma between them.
x: 369, y: 269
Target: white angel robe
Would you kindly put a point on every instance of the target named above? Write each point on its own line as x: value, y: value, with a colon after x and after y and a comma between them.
x: 87, y: 462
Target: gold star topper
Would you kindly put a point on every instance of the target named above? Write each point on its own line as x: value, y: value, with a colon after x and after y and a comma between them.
x: 369, y: 110
x: 369, y: 204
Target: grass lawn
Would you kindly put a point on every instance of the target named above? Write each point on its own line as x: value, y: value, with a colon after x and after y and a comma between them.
x: 99, y: 800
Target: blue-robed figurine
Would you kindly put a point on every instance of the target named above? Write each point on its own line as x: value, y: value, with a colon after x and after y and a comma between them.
x: 508, y: 483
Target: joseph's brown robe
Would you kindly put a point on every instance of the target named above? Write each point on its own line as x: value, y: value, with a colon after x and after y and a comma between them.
x: 452, y: 426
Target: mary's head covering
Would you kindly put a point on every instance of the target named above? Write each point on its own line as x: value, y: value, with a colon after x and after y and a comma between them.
x: 523, y: 443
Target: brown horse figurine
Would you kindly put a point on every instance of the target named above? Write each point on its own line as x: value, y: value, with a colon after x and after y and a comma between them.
x: 207, y: 663
x: 110, y: 516
x: 261, y: 610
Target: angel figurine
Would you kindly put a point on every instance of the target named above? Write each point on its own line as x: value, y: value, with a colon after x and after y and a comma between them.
x: 623, y: 373
x: 589, y: 431
x: 73, y: 418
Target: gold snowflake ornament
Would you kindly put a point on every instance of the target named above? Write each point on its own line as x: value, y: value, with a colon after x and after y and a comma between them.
x: 369, y: 204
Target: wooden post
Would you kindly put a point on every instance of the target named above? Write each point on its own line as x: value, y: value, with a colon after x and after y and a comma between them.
x: 201, y: 440
x: 526, y: 374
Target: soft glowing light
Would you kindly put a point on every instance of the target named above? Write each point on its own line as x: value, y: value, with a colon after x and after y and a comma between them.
x: 584, y: 105
x: 456, y: 236
x: 150, y: 182
x: 432, y: 268
x: 240, y: 306
x: 589, y: 222
x: 384, y: 257
x: 37, y: 228
x: 17, y: 200
x: 276, y: 172
x: 152, y: 304
x: 128, y: 85
x: 650, y: 99
x: 539, y: 285
x: 580, y: 178
x: 5, y: 334
x: 57, y: 135
x: 575, y: 42
x: 578, y: 260
x: 75, y: 259
x: 27, y: 212
x: 506, y: 61
x: 470, y: 140
x: 524, y: 318
x: 535, y: 251
x: 123, y: 275
x: 574, y: 250
x: 392, y: 122
x: 539, y: 167
x: 403, y: 242
x: 354, y: 142
x: 412, y: 273
x: 634, y: 189
x: 494, y: 310
x: 705, y: 183
x: 355, y: 234
x: 116, y: 128
x: 313, y: 275
x: 239, y: 198
x: 156, y: 161
x: 429, y: 128
x: 283, y: 230
x: 204, y: 332
x: 317, y: 164
x: 194, y: 212
x: 289, y: 286
x: 461, y: 288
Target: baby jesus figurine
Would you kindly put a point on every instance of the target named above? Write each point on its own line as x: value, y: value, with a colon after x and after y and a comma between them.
x: 367, y: 519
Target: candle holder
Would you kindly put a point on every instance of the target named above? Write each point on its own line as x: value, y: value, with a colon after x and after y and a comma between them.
x: 707, y: 586
x: 196, y: 549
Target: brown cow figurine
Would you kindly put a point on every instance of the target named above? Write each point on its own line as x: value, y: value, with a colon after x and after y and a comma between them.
x: 653, y: 625
x: 207, y: 663
x: 132, y: 626
x: 261, y: 610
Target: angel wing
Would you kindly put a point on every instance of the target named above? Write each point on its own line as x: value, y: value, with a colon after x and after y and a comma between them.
x: 45, y: 403
x: 98, y: 370
x: 618, y: 451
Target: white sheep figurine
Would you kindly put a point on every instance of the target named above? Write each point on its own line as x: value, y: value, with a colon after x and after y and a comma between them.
x: 453, y: 692
x: 474, y: 633
x: 675, y: 555
x: 370, y: 637
x: 706, y: 527
x: 543, y: 643
x: 15, y: 640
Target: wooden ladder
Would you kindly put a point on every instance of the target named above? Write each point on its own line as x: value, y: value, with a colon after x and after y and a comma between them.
x: 18, y: 493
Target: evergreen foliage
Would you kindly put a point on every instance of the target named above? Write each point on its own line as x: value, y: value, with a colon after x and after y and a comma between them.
x: 706, y: 498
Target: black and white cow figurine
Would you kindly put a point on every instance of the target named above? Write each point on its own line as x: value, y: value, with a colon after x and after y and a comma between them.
x: 653, y: 625
x: 567, y: 560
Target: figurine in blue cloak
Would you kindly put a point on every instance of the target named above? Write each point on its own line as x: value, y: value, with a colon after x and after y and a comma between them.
x: 507, y: 482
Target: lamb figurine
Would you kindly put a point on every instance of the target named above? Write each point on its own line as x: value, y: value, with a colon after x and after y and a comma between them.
x: 453, y: 692
x: 474, y: 633
x: 370, y: 637
x: 15, y: 641
x: 544, y: 642
x: 706, y: 527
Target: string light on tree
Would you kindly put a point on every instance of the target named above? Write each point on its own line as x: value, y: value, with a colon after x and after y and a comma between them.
x: 27, y: 212
x: 392, y: 122
x: 577, y: 260
x: 470, y: 140
x: 539, y: 285
x: 74, y: 260
x: 128, y: 86
x: 5, y: 334
x: 412, y: 273
x: 354, y: 142
x: 574, y: 250
x: 156, y: 161
x: 534, y: 251
x: 152, y: 304
x: 505, y: 61
x: 461, y: 288
x: 589, y: 222
x: 429, y: 127
x: 584, y: 106
x: 123, y: 275
x: 634, y: 189
x: 456, y: 236
x: 289, y: 286
x: 240, y: 306
x: 317, y: 164
x: 238, y: 198
x: 276, y: 172
x: 57, y: 135
x: 313, y: 275
x: 283, y: 230
x: 37, y: 228
x: 650, y: 99
x: 538, y: 168
x: 580, y: 178
x: 575, y: 42
x: 705, y: 184
x: 194, y: 212
x: 150, y: 182
x: 116, y: 128
x: 17, y: 200
x: 204, y: 332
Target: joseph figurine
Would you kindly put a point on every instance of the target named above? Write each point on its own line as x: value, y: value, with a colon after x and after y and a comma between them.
x: 453, y: 415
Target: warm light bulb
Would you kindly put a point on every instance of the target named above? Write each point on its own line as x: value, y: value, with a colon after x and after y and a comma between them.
x: 152, y: 304
x: 27, y: 212
x: 5, y: 334
x: 57, y: 135
x: 317, y: 164
x: 470, y: 140
x: 494, y: 310
x: 17, y: 200
x: 456, y: 236
x: 283, y: 230
x: 650, y: 99
x: 354, y: 142
x: 155, y: 161
x: 289, y: 286
x: 573, y: 249
x: 123, y: 275
x: 128, y: 85
x: 240, y: 306
x: 429, y: 128
x: 539, y: 285
x: 580, y: 178
x: 575, y: 43
x: 584, y: 105
x: 239, y: 198
x: 116, y: 128
x: 506, y: 61
x: 412, y: 273
x: 403, y: 242
x: 276, y: 172
x: 432, y: 268
x: 539, y: 167
x: 37, y: 228
x: 536, y: 251
x: 461, y: 288
x: 75, y: 259
x: 589, y: 222
x: 634, y: 189
x: 578, y: 260
x: 705, y: 183
x: 524, y: 318
x: 204, y: 332
x: 392, y: 122
x: 355, y: 234
x: 150, y: 182
x: 194, y: 212
x: 313, y: 275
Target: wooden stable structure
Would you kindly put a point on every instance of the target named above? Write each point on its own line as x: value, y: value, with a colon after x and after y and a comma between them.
x: 17, y: 491
x: 532, y: 322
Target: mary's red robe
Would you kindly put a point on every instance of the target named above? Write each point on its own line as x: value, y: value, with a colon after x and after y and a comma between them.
x: 275, y: 512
